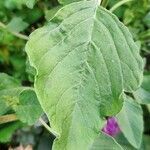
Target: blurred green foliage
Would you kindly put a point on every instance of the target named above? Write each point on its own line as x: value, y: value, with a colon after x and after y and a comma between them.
x: 136, y: 16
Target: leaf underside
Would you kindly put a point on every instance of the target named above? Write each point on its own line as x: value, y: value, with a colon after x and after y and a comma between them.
x: 85, y: 58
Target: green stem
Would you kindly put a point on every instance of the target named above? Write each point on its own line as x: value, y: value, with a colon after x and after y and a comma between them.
x: 119, y: 4
x: 8, y: 118
x: 104, y: 3
x: 19, y: 35
x: 49, y: 128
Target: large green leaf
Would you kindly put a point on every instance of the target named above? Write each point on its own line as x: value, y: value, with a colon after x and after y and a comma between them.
x: 105, y: 142
x: 85, y: 58
x: 130, y: 121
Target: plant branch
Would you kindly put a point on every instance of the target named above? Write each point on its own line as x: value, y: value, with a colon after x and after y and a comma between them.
x: 8, y: 118
x: 119, y: 4
x: 48, y: 128
x: 19, y: 35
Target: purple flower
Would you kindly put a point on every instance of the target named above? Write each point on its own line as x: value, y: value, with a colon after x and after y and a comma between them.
x: 111, y: 128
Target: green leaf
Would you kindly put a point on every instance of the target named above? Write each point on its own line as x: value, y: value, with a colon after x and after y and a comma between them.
x: 49, y: 14
x: 85, y: 58
x: 125, y: 144
x: 28, y: 109
x: 30, y: 3
x: 7, y: 81
x: 105, y: 142
x: 8, y: 92
x: 7, y: 130
x: 17, y: 25
x: 142, y: 95
x: 130, y: 121
x: 22, y: 100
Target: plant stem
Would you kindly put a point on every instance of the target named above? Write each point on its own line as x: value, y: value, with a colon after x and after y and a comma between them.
x: 104, y: 3
x: 48, y: 128
x: 119, y: 4
x: 8, y: 118
x: 19, y: 35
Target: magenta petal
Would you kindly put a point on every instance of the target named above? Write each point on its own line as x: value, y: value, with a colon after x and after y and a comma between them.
x: 111, y: 128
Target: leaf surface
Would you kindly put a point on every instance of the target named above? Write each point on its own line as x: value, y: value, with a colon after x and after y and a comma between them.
x: 28, y: 109
x: 142, y: 95
x: 130, y: 121
x: 85, y: 58
x: 18, y: 99
x: 105, y: 142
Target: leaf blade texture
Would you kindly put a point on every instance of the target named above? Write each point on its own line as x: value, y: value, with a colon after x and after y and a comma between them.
x: 83, y: 62
x: 130, y: 121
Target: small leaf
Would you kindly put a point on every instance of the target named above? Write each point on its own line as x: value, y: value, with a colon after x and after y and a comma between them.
x: 28, y: 110
x: 30, y: 3
x: 130, y: 121
x: 17, y: 25
x: 21, y: 100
